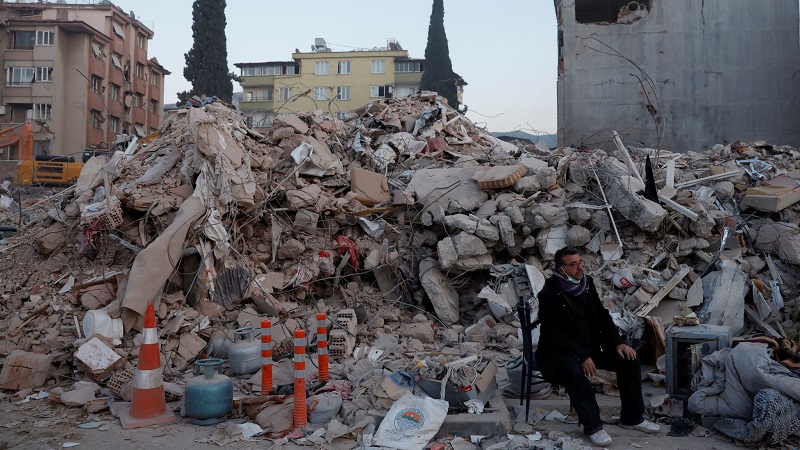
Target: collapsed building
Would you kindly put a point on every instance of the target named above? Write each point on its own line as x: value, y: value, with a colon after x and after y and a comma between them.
x: 409, y: 226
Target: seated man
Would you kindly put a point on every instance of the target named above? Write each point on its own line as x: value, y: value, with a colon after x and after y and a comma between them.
x: 578, y: 337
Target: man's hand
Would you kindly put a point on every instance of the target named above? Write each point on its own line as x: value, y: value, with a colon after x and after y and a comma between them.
x: 626, y: 352
x: 588, y: 368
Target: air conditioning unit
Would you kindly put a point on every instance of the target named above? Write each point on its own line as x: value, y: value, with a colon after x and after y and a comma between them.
x: 2, y: 110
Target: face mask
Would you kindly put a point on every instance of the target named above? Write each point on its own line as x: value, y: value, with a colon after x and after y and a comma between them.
x: 570, y: 278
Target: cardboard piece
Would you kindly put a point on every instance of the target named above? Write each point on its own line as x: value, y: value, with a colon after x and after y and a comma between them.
x: 773, y: 195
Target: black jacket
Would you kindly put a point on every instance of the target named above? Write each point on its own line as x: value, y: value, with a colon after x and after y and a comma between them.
x: 558, y: 325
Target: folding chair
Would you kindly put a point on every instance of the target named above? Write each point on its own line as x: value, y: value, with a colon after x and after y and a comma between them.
x: 529, y: 365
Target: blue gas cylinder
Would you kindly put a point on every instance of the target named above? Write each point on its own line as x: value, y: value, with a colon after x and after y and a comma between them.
x: 209, y: 396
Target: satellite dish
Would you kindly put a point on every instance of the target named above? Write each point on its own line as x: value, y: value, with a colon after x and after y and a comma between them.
x: 133, y: 16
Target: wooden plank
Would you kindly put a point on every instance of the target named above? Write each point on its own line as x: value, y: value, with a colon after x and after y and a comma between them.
x: 752, y: 315
x: 660, y: 295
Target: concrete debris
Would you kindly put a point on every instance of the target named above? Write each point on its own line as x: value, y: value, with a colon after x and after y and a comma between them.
x: 413, y: 229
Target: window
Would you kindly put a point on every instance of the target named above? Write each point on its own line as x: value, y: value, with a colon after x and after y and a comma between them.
x: 139, y: 70
x: 378, y: 66
x: 42, y: 111
x: 154, y: 78
x: 23, y: 40
x: 320, y: 93
x: 44, y: 74
x: 137, y: 99
x: 97, y: 50
x: 19, y: 76
x: 344, y: 67
x: 380, y: 91
x: 405, y: 92
x: 343, y: 115
x: 321, y: 68
x: 97, y: 83
x: 408, y: 66
x: 343, y: 93
x: 96, y: 118
x: 599, y: 11
x: 118, y: 29
x: 113, y: 124
x: 154, y: 106
x: 251, y: 71
x: 45, y: 37
x: 141, y: 40
x: 285, y: 94
x: 116, y: 60
x: 271, y: 70
x: 291, y: 70
x: 257, y: 96
x: 115, y: 90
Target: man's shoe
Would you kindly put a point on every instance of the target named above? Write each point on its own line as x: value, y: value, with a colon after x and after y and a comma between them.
x: 600, y: 438
x: 645, y: 427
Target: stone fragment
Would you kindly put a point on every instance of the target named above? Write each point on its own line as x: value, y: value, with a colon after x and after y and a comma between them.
x: 514, y: 213
x: 282, y: 133
x: 308, y: 197
x: 436, y: 285
x: 447, y: 253
x: 480, y: 262
x: 527, y: 185
x: 50, y: 239
x: 421, y: 331
x: 532, y: 164
x: 552, y: 240
x: 579, y: 216
x: 370, y: 187
x: 578, y: 236
x: 546, y: 215
x: 468, y: 245
x: 724, y: 190
x: 479, y: 227
x: 296, y: 123
x: 82, y: 393
x: 547, y: 178
x: 503, y: 223
x: 22, y: 370
x: 600, y: 221
x: 291, y: 249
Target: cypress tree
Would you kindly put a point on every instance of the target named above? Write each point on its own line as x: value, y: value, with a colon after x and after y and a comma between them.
x: 438, y: 75
x: 207, y: 60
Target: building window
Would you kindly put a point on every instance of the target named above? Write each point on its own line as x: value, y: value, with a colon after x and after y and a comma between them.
x: 42, y: 111
x: 344, y: 67
x: 271, y: 70
x: 408, y: 66
x: 19, y: 76
x: 291, y: 70
x: 405, y: 92
x: 119, y: 30
x: 96, y: 118
x: 258, y: 96
x: 115, y: 90
x: 320, y: 93
x: 608, y: 11
x: 116, y: 60
x: 44, y: 74
x: 378, y: 66
x: 251, y: 71
x: 343, y: 93
x: 97, y: 50
x: 137, y: 99
x: 154, y: 106
x: 380, y: 91
x: 113, y: 124
x: 45, y: 37
x: 23, y: 40
x: 97, y: 83
x: 321, y: 68
x: 343, y: 115
x: 154, y: 78
x: 285, y: 94
x: 139, y: 70
x: 141, y: 40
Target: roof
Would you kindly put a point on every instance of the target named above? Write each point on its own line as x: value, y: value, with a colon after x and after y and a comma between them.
x: 267, y: 63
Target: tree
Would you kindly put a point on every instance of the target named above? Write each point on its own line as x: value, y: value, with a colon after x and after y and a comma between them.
x: 207, y: 60
x: 438, y: 75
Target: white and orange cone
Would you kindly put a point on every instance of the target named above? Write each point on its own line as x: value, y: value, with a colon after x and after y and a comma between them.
x: 148, y: 403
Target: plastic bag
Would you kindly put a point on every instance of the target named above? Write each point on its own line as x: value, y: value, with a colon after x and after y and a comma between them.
x: 411, y: 422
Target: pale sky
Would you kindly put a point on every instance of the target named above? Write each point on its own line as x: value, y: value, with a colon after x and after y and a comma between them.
x: 504, y: 49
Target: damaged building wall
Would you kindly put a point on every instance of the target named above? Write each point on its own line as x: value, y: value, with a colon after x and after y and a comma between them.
x: 712, y: 71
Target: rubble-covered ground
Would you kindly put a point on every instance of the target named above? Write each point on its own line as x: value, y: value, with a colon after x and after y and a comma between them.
x: 409, y: 226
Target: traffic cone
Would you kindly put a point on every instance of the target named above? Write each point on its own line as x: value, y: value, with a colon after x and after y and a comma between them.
x: 148, y: 404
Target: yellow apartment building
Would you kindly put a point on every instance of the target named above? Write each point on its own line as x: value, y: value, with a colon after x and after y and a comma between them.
x: 335, y: 82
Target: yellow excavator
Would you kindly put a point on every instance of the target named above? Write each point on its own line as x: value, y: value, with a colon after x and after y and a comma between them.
x: 40, y: 170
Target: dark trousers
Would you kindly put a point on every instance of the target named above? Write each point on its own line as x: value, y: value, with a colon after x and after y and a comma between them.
x: 564, y: 370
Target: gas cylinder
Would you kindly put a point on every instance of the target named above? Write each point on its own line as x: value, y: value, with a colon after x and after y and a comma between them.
x: 209, y: 396
x: 244, y: 354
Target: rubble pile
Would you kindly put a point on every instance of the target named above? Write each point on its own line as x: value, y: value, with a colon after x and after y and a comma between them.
x: 420, y: 223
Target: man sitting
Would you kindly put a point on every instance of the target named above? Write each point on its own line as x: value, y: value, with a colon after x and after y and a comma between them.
x: 578, y: 337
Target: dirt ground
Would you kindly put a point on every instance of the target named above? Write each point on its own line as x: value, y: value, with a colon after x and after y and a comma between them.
x: 41, y: 425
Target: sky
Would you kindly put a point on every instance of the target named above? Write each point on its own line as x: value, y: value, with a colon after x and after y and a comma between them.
x: 504, y: 49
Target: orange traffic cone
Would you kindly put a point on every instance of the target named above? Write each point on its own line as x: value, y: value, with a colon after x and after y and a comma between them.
x: 148, y: 404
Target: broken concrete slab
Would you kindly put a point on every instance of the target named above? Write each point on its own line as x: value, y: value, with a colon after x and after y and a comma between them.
x: 24, y: 370
x: 450, y: 189
x: 443, y: 297
x: 724, y: 291
x: 371, y: 188
x: 98, y: 358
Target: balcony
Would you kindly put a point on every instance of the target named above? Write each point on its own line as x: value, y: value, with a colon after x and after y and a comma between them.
x: 256, y: 104
x: 407, y: 77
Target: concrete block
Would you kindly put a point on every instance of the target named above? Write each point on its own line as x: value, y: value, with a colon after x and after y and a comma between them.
x: 472, y: 263
x: 552, y: 240
x: 621, y: 191
x: 23, y: 370
x: 578, y: 236
x: 370, y: 187
x: 724, y: 293
x: 98, y: 358
x: 532, y: 164
x: 452, y: 189
x: 468, y: 245
x: 479, y: 227
x: 421, y: 331
x: 443, y: 297
x: 506, y: 228
x: 296, y: 123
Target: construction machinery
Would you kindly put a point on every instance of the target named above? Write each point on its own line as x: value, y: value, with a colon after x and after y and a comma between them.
x: 33, y: 169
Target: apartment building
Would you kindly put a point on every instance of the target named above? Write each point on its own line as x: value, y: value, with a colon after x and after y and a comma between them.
x: 336, y: 82
x: 79, y: 72
x: 678, y: 74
